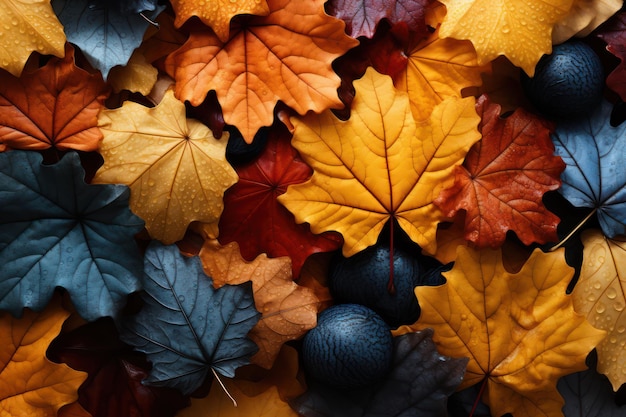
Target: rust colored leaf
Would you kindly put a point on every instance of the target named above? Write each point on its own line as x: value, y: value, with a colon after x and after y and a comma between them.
x: 519, y: 330
x: 176, y: 170
x: 353, y: 190
x: 285, y: 56
x: 28, y: 26
x: 30, y: 384
x: 254, y: 218
x: 614, y: 34
x: 600, y: 294
x: 288, y: 310
x: 503, y: 179
x: 362, y: 16
x: 54, y: 106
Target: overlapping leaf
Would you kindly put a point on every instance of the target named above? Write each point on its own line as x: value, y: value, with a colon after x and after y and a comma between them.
x: 106, y: 33
x: 254, y: 218
x: 26, y: 27
x: 288, y: 310
x: 614, y: 34
x: 115, y: 372
x: 31, y: 385
x: 600, y: 294
x: 418, y: 384
x: 186, y: 328
x: 519, y: 330
x: 594, y: 153
x: 379, y: 165
x: 217, y: 13
x: 58, y: 231
x: 519, y: 30
x: 285, y: 56
x: 583, y: 18
x: 362, y: 16
x: 176, y: 170
x: 138, y: 75
x: 503, y: 180
x: 54, y: 106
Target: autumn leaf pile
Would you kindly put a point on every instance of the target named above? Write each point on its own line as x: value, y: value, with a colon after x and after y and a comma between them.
x: 176, y: 176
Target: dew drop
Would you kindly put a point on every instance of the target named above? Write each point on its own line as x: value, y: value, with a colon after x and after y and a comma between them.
x: 600, y: 308
x: 463, y: 316
x: 621, y: 329
x: 506, y: 29
x: 618, y: 306
x: 181, y: 298
x: 597, y: 285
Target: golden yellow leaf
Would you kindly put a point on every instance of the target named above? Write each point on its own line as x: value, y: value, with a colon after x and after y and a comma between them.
x: 600, y: 294
x: 287, y: 309
x: 520, y: 30
x: 30, y: 384
x: 436, y: 69
x: 27, y: 26
x: 379, y: 165
x: 261, y: 397
x: 138, y: 75
x: 519, y: 330
x: 176, y: 170
x: 583, y: 18
x: 217, y: 13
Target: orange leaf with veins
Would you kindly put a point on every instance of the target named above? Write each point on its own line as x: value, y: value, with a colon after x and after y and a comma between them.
x: 284, y: 56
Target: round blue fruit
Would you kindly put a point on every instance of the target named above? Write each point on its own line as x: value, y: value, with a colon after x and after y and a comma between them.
x: 350, y: 347
x: 567, y: 83
x: 366, y: 278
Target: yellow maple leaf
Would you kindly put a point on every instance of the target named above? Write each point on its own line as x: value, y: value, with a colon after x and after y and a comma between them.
x: 519, y: 330
x: 30, y: 384
x: 27, y: 26
x: 287, y: 309
x: 583, y: 18
x: 600, y: 294
x: 519, y: 30
x: 138, y: 75
x: 436, y: 69
x: 217, y: 13
x: 379, y: 165
x: 176, y: 170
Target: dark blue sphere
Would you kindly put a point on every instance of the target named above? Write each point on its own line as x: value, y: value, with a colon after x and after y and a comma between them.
x: 567, y: 83
x: 351, y: 347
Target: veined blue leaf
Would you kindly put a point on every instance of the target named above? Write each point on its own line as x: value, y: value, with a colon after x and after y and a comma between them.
x: 186, y: 327
x: 595, y: 153
x: 56, y: 230
x: 105, y: 33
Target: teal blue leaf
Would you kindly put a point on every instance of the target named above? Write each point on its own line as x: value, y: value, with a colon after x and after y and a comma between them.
x: 105, y: 33
x: 186, y: 327
x: 56, y: 230
x: 595, y: 153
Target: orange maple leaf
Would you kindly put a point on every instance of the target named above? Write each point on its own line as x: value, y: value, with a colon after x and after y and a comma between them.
x: 288, y: 309
x: 176, y: 170
x: 600, y: 294
x: 217, y: 13
x: 285, y: 56
x: 379, y: 164
x: 520, y: 30
x: 54, y: 106
x: 503, y: 179
x: 519, y: 330
x: 30, y: 384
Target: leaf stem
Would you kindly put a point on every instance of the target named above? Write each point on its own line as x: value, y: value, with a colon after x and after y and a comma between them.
x: 576, y: 229
x: 223, y: 387
x: 391, y: 288
x: 479, y: 395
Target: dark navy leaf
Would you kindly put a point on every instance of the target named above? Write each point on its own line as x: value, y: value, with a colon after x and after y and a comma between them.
x: 417, y: 386
x: 136, y: 6
x: 186, y: 327
x: 56, y: 230
x: 595, y: 153
x: 105, y: 33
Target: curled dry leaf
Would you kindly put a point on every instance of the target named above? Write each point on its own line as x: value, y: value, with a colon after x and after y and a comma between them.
x: 285, y: 56
x: 30, y: 384
x: 600, y: 294
x: 583, y: 18
x: 519, y: 330
x: 353, y: 190
x: 520, y: 30
x: 287, y: 309
x: 54, y: 106
x: 176, y: 170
